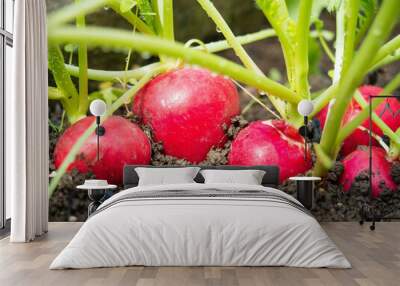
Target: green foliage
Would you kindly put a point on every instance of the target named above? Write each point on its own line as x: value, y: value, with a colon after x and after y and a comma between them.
x: 127, y: 5
x: 293, y: 8
x: 318, y: 6
x: 367, y: 13
x: 333, y: 5
x: 314, y: 56
x: 278, y: 15
x: 60, y: 127
x: 61, y: 76
x: 146, y: 12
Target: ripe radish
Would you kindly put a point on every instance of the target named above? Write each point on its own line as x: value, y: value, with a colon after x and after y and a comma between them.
x: 272, y: 142
x: 123, y: 143
x: 358, y: 161
x: 188, y: 110
x: 360, y: 137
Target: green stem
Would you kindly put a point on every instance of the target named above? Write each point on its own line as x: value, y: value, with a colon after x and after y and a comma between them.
x: 57, y: 66
x: 55, y: 94
x: 323, y: 158
x: 64, y: 83
x: 89, y: 131
x: 346, y: 24
x: 248, y: 106
x: 278, y: 16
x: 168, y: 20
x: 118, y: 38
x: 157, y: 20
x: 320, y: 102
x: 71, y: 57
x: 387, y: 60
x: 214, y: 47
x: 380, y: 30
x: 70, y: 12
x: 127, y: 96
x: 255, y: 99
x: 376, y: 119
x: 117, y: 76
x: 326, y: 48
x: 133, y: 19
x: 83, y: 67
x: 394, y: 150
x: 222, y: 45
x: 213, y: 13
x: 301, y: 51
x: 349, y: 128
x: 351, y: 17
x: 387, y: 49
x: 128, y: 58
x: 323, y: 99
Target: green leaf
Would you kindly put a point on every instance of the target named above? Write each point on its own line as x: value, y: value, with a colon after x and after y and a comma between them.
x: 314, y: 56
x: 61, y: 75
x: 127, y: 5
x: 318, y: 6
x: 146, y: 12
x: 293, y: 8
x: 333, y: 5
x: 278, y: 16
x: 368, y: 10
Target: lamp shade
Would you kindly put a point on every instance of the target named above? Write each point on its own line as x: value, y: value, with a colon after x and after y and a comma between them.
x: 98, y: 107
x: 305, y: 107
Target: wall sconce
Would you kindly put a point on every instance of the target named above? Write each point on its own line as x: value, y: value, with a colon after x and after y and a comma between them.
x: 98, y: 108
x: 305, y: 108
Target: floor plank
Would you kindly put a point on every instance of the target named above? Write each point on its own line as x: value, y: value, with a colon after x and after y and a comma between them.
x: 375, y: 257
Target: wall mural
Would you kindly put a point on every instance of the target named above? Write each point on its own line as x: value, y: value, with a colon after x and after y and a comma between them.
x: 180, y: 89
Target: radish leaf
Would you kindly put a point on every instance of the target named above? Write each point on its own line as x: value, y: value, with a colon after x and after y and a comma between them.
x: 314, y: 56
x: 146, y: 12
x: 127, y: 5
x: 368, y: 9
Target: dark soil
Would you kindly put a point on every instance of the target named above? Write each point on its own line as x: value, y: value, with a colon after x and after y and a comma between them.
x: 331, y: 204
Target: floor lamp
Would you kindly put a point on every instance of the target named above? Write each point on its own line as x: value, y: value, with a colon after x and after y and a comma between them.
x: 366, y: 210
x: 98, y: 108
x: 305, y: 108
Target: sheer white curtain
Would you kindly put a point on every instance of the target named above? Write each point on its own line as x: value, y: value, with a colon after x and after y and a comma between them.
x: 26, y: 124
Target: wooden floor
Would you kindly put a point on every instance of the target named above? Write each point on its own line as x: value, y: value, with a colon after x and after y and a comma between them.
x: 375, y: 257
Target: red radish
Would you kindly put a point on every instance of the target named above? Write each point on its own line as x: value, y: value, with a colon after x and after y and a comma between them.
x: 358, y: 161
x: 187, y: 110
x: 360, y: 137
x: 123, y: 143
x: 272, y: 142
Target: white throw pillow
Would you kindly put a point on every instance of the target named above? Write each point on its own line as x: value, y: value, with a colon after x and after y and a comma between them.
x: 248, y: 177
x: 166, y: 176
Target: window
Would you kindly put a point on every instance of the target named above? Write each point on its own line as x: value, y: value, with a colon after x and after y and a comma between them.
x: 6, y: 65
